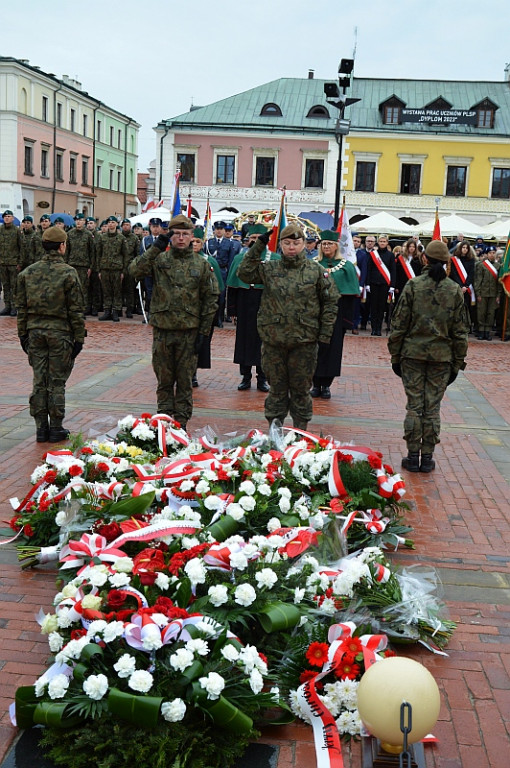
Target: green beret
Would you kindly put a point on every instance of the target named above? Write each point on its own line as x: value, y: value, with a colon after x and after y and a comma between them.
x: 91, y: 218
x: 28, y: 218
x: 329, y: 234
x: 125, y: 221
x: 8, y: 213
x: 59, y: 219
x: 54, y: 235
x: 45, y: 217
x: 112, y: 218
x: 181, y: 222
x: 79, y: 216
x: 292, y: 232
x: 257, y: 229
x: 198, y: 232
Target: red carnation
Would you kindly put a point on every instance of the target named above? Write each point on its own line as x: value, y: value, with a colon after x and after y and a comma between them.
x: 387, y: 654
x: 14, y: 523
x: 388, y: 469
x: 75, y: 470
x: 146, y: 416
x: 77, y: 633
x: 317, y: 654
x: 87, y: 450
x: 50, y: 476
x: 28, y: 530
x: 116, y: 460
x: 103, y: 466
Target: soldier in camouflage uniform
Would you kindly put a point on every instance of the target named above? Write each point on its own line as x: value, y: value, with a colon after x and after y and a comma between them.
x: 51, y: 332
x: 94, y: 298
x: 297, y: 313
x: 111, y: 259
x: 36, y: 247
x: 129, y: 284
x: 184, y: 301
x: 428, y: 343
x: 28, y: 233
x: 81, y: 252
x: 11, y: 261
x: 487, y: 292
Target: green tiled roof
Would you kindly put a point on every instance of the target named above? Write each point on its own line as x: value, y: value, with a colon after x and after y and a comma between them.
x: 296, y: 96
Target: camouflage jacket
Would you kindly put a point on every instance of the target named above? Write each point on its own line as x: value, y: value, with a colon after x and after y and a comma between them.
x: 49, y: 296
x: 299, y: 300
x: 80, y: 248
x: 486, y: 284
x: 185, y: 291
x: 36, y: 248
x: 132, y: 245
x: 429, y: 323
x: 12, y: 246
x: 111, y: 252
x: 27, y: 237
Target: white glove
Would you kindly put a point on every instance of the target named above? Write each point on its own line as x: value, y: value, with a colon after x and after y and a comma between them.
x: 367, y: 288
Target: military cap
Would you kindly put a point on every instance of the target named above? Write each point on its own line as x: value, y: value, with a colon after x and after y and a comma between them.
x: 490, y: 248
x: 155, y: 221
x: 79, y: 216
x: 59, y: 219
x: 181, y: 222
x: 292, y: 232
x: 146, y: 229
x: 54, y: 235
x: 91, y: 218
x: 137, y: 225
x: 219, y: 225
x: 311, y: 238
x: 125, y: 221
x: 8, y: 213
x: 329, y: 234
x: 437, y: 250
x: 237, y: 232
x: 229, y: 227
x: 257, y: 229
x: 28, y: 218
x: 251, y: 215
x: 45, y: 217
x: 198, y: 232
x: 112, y: 218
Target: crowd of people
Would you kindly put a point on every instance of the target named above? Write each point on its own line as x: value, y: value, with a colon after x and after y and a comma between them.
x: 292, y: 308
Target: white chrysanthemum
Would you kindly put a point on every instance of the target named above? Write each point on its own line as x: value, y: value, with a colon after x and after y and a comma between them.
x: 141, y: 681
x: 96, y: 686
x: 123, y: 564
x: 114, y: 630
x: 55, y: 641
x: 57, y: 687
x: 143, y: 431
x: 195, y: 570
x: 238, y: 560
x: 245, y: 595
x: 348, y: 692
x: 119, y: 580
x: 273, y: 524
x: 266, y: 578
x: 173, y: 711
x: 125, y: 666
x: 218, y: 594
x: 235, y: 510
x: 230, y: 652
x: 213, y: 684
x: 162, y: 581
x: 256, y: 681
x: 247, y: 487
x: 296, y: 707
x: 198, y: 646
x: 39, y: 473
x: 126, y: 423
x: 181, y: 659
x: 248, y: 503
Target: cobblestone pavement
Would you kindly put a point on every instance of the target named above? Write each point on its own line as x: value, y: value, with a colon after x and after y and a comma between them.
x: 460, y: 512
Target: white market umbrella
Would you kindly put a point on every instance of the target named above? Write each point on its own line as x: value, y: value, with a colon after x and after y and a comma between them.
x: 498, y: 229
x: 159, y: 213
x: 451, y: 225
x: 383, y: 223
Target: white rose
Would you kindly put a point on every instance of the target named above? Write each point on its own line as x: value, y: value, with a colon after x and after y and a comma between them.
x: 181, y: 659
x: 58, y: 686
x: 125, y: 666
x: 266, y: 578
x: 173, y: 711
x: 245, y: 594
x: 218, y: 594
x: 60, y: 518
x: 123, y: 564
x: 92, y: 602
x: 49, y: 624
x: 96, y: 686
x: 213, y: 684
x: 141, y: 681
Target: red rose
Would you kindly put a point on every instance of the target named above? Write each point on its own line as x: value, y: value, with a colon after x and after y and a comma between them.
x: 147, y: 579
x: 75, y: 470
x: 110, y: 531
x: 116, y: 599
x: 77, y: 633
x: 388, y: 469
x: 124, y: 615
x: 116, y: 460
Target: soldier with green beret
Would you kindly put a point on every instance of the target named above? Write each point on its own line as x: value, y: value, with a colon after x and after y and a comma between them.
x: 128, y: 283
x: 81, y: 252
x: 297, y: 314
x: 36, y: 249
x: 12, y: 258
x: 28, y: 233
x: 183, y: 304
x: 428, y: 343
x: 51, y: 331
x: 112, y: 260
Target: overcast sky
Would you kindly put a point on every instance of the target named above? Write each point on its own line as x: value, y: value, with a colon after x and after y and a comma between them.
x: 151, y: 59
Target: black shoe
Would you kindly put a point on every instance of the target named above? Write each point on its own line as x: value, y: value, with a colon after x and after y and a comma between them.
x: 93, y: 312
x: 115, y: 316
x: 315, y: 391
x: 57, y: 434
x: 262, y: 385
x: 326, y: 393
x: 14, y: 312
x: 220, y: 323
x: 245, y: 383
x: 129, y: 312
x: 106, y: 316
x: 42, y: 434
x: 194, y: 381
x: 5, y: 311
x: 427, y: 463
x: 488, y: 337
x: 412, y: 461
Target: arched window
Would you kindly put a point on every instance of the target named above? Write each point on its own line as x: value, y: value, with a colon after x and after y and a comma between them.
x: 271, y: 110
x: 318, y: 111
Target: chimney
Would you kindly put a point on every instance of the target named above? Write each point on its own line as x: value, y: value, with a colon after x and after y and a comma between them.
x: 311, y: 74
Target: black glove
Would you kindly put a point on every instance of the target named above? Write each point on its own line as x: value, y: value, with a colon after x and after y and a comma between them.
x: 23, y: 340
x: 453, y: 376
x: 323, y: 348
x: 199, y: 341
x: 77, y: 348
x: 265, y: 237
x: 161, y: 242
x: 397, y: 369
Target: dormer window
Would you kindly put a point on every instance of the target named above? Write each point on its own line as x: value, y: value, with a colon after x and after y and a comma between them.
x: 439, y: 104
x: 485, y: 112
x: 318, y: 111
x: 270, y: 110
x: 391, y: 110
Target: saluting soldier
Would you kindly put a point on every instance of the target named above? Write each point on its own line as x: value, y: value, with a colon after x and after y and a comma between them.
x: 81, y: 252
x: 111, y: 258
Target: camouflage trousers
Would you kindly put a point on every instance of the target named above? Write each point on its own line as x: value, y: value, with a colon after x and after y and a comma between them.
x: 95, y: 293
x: 84, y: 278
x: 128, y: 292
x: 425, y: 384
x: 8, y: 279
x: 289, y: 371
x: 486, y: 312
x: 174, y: 362
x: 49, y: 354
x: 112, y: 289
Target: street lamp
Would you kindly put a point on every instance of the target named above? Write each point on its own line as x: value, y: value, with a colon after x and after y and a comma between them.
x: 340, y: 101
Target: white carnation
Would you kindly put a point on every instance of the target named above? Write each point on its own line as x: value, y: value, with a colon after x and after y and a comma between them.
x: 230, y: 652
x: 264, y: 489
x: 141, y: 681
x: 58, y: 686
x: 235, y: 510
x: 181, y: 659
x: 218, y: 594
x: 198, y: 646
x: 256, y: 681
x: 202, y: 487
x: 118, y: 580
x: 248, y: 503
x: 96, y: 686
x: 195, y: 571
x: 125, y: 666
x: 273, y: 524
x: 55, y: 641
x: 247, y: 487
x: 114, y: 630
x: 162, y: 581
x: 266, y: 578
x: 245, y: 594
x: 213, y: 502
x: 238, y: 560
x: 173, y: 711
x: 213, y: 684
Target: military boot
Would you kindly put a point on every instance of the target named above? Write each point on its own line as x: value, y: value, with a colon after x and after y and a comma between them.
x: 107, y: 315
x: 411, y: 462
x: 6, y: 310
x: 88, y: 310
x: 115, y: 316
x: 427, y: 463
x: 42, y: 430
x: 57, y: 431
x: 299, y: 424
x: 129, y: 312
